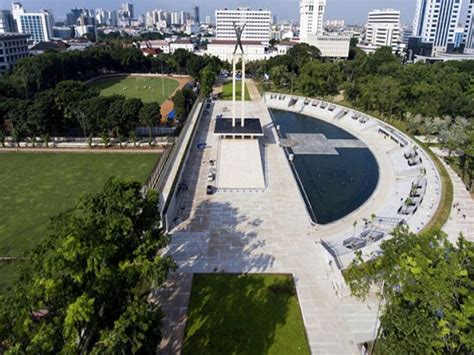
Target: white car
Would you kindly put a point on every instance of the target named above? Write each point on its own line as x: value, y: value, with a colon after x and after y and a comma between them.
x: 210, y: 176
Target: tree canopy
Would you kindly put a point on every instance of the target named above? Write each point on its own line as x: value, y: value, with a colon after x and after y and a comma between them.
x: 427, y: 287
x: 86, y: 288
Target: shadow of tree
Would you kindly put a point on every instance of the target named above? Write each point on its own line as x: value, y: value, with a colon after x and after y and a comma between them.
x: 244, y: 314
x: 216, y: 237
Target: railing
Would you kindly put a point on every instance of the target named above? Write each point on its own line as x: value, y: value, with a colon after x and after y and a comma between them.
x: 168, y: 199
x: 156, y: 172
x: 332, y: 252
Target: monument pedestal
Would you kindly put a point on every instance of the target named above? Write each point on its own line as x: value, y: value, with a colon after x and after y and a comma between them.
x: 239, y: 163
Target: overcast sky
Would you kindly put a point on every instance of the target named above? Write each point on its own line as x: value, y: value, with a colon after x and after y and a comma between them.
x: 353, y: 11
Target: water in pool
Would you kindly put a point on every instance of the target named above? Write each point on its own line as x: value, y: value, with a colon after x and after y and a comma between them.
x: 335, y: 185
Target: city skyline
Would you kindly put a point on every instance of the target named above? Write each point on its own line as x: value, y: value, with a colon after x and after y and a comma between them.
x: 352, y: 11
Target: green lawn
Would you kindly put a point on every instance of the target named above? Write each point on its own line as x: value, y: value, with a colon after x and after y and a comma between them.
x: 244, y: 314
x: 144, y: 88
x: 35, y: 187
x: 227, y: 91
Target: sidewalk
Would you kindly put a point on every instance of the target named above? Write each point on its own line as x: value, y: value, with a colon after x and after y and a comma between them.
x: 461, y: 219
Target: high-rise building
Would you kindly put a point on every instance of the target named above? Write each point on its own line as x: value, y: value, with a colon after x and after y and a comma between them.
x: 196, y: 14
x: 311, y: 18
x: 13, y: 46
x: 128, y: 10
x: 257, y: 23
x: 435, y: 22
x: 469, y: 30
x: 179, y: 18
x: 72, y: 16
x: 38, y: 25
x: 208, y: 20
x: 383, y: 29
x: 7, y: 23
x: 407, y: 32
x: 101, y: 16
x: 113, y: 18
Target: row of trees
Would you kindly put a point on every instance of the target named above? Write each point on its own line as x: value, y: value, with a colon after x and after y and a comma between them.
x: 42, y: 97
x: 71, y: 105
x: 39, y: 73
x: 86, y: 288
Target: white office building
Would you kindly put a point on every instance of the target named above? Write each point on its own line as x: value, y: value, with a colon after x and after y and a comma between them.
x: 13, y: 47
x: 383, y: 29
x: 311, y: 18
x: 435, y: 22
x: 38, y: 25
x: 331, y: 45
x: 257, y: 24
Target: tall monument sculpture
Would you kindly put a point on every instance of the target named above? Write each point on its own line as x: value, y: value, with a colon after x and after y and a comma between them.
x: 235, y: 58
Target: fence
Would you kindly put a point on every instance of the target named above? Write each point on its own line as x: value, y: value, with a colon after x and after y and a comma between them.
x: 162, y: 172
x: 156, y: 172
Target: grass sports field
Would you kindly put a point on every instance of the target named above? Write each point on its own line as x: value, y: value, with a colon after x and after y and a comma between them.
x: 147, y: 89
x: 227, y: 91
x: 38, y: 186
x: 244, y: 314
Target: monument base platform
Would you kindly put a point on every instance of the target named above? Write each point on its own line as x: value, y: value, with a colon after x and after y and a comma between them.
x: 252, y: 128
x: 240, y: 165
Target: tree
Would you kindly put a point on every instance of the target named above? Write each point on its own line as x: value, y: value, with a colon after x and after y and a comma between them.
x: 85, y: 288
x: 455, y: 136
x: 150, y: 115
x: 427, y: 286
x: 123, y: 116
x: 277, y: 73
x: 301, y: 54
x: 208, y: 77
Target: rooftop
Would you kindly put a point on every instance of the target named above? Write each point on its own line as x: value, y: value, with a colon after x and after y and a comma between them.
x: 11, y: 35
x: 252, y: 127
x: 232, y: 42
x: 52, y: 45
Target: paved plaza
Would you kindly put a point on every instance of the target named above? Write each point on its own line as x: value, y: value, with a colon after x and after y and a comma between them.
x: 264, y: 232
x: 270, y: 231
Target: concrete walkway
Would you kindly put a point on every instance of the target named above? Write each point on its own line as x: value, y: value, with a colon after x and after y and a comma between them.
x: 261, y: 232
x: 461, y: 219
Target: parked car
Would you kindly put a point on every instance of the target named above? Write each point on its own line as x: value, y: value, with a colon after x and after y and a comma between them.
x: 210, y: 190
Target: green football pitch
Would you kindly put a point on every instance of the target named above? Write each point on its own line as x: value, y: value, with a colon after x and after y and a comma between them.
x: 38, y: 186
x: 147, y: 89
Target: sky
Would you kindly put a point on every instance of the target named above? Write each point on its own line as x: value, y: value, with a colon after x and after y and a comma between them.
x: 352, y: 11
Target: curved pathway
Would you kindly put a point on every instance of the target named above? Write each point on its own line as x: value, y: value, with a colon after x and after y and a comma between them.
x: 461, y: 219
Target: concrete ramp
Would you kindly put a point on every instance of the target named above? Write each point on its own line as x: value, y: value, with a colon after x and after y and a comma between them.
x: 240, y: 165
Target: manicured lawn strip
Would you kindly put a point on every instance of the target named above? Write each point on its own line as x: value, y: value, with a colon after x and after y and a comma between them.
x: 147, y: 89
x: 244, y: 314
x: 227, y: 91
x: 37, y: 186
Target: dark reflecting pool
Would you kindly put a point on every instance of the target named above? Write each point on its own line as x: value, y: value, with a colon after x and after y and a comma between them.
x: 334, y: 185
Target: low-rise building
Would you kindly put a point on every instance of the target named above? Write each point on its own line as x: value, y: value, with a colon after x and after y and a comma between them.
x: 224, y: 49
x: 185, y: 44
x: 162, y: 45
x: 53, y: 45
x: 13, y: 47
x: 331, y: 45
